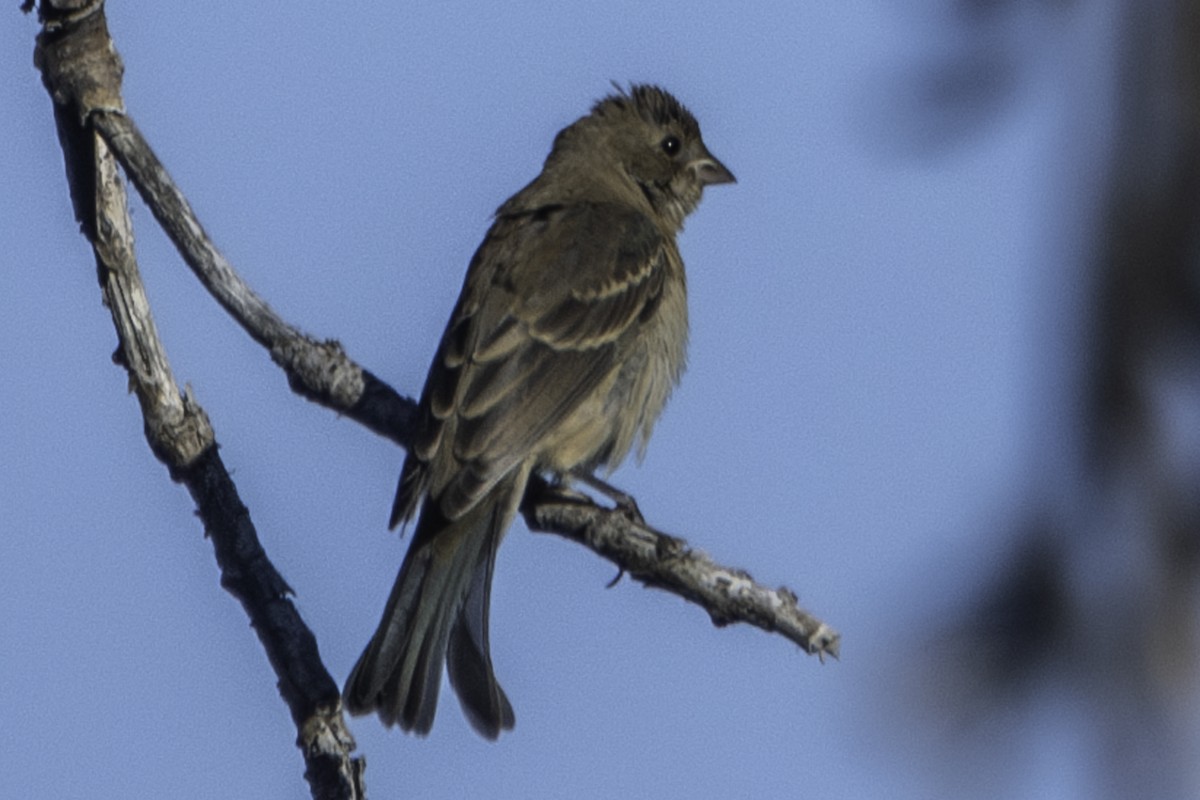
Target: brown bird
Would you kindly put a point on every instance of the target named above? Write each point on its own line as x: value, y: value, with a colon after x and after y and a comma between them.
x: 568, y: 336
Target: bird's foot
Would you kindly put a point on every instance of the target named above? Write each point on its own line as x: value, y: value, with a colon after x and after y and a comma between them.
x: 624, y: 502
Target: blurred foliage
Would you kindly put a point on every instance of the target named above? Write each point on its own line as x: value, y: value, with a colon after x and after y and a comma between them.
x: 1097, y: 596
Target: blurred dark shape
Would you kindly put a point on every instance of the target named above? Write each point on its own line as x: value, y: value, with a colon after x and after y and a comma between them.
x: 964, y: 92
x: 974, y: 59
x: 1095, y: 610
x: 973, y: 10
x: 1020, y: 623
x: 1149, y: 304
x: 1143, y: 400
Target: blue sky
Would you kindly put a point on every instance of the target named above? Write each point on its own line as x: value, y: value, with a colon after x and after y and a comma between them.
x: 860, y: 409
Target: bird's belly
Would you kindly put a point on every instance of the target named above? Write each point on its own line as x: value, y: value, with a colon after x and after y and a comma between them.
x: 583, y: 438
x: 601, y: 431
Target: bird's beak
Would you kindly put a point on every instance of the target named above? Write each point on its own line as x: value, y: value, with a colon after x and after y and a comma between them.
x: 710, y: 171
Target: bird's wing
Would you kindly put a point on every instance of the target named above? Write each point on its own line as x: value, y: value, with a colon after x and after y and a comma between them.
x: 551, y: 301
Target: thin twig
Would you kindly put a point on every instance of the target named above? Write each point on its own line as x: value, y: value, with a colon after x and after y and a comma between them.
x: 666, y: 562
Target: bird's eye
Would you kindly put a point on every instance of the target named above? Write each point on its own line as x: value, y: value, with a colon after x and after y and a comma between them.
x: 671, y: 145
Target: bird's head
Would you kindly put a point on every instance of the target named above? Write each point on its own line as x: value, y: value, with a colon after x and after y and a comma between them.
x: 649, y: 143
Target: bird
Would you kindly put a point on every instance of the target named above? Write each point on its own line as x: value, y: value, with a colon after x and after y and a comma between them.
x: 568, y: 335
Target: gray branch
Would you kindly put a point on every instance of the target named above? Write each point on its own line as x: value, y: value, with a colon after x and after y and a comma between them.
x: 666, y: 562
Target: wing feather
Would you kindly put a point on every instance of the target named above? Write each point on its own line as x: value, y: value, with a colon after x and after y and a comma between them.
x: 551, y: 302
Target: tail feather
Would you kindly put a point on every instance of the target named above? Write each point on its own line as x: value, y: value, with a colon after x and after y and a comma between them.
x: 469, y: 660
x: 437, y: 613
x: 420, y: 669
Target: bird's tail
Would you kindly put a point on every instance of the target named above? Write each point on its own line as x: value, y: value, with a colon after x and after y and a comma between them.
x: 438, y: 611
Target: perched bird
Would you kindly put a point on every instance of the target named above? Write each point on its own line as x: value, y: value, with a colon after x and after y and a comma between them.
x: 568, y: 336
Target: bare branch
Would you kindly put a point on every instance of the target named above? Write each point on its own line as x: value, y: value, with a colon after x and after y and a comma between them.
x: 666, y: 562
x: 82, y: 70
x: 320, y: 371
